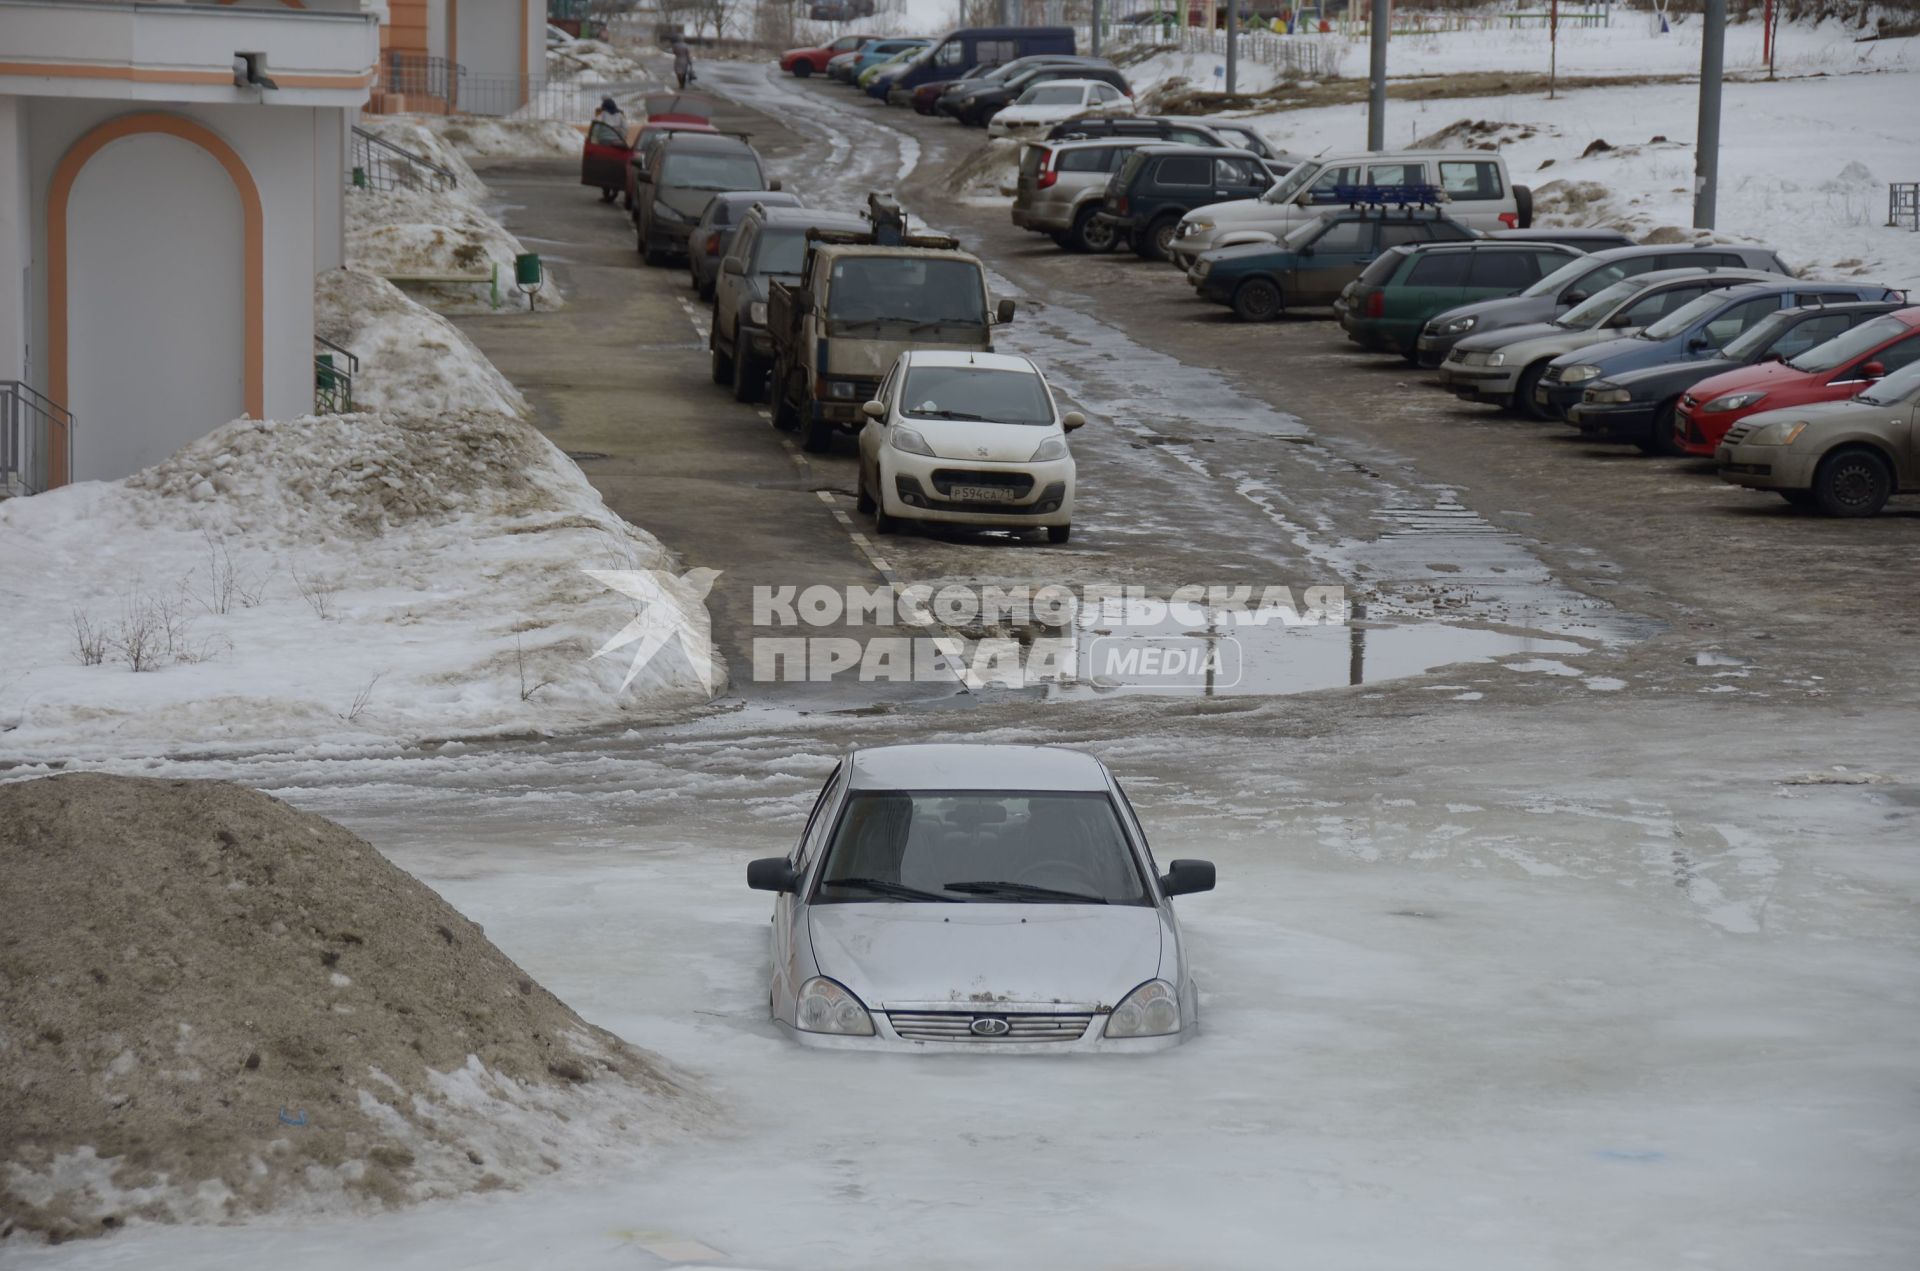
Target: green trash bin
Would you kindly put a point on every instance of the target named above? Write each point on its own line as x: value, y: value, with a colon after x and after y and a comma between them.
x: 526, y: 275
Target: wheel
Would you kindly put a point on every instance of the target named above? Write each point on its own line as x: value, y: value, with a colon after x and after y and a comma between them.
x: 749, y: 374
x: 1523, y: 391
x: 1852, y: 482
x: 1090, y: 233
x: 862, y: 500
x: 1523, y: 206
x: 1159, y: 236
x: 882, y: 522
x: 784, y: 416
x: 1059, y: 533
x: 652, y: 255
x: 721, y: 366
x: 1661, y: 442
x: 816, y: 436
x: 1257, y: 300
x: 608, y: 195
x: 802, y: 69
x: 705, y: 287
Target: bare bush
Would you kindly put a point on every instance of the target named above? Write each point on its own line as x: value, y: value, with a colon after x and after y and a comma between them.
x: 318, y: 590
x: 361, y: 700
x: 520, y: 663
x: 90, y: 641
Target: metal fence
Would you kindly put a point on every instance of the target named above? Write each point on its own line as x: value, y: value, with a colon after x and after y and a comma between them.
x: 378, y: 164
x: 1903, y: 205
x: 524, y: 97
x: 1296, y: 57
x: 333, y: 373
x: 32, y: 428
x: 426, y: 82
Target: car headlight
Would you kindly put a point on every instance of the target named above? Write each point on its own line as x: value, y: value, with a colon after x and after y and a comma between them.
x: 1202, y: 269
x: 1613, y: 396
x: 1579, y: 374
x: 757, y: 313
x: 1152, y: 1010
x: 1051, y: 448
x: 825, y: 1007
x: 665, y: 213
x: 1733, y: 401
x: 1496, y: 359
x: 1782, y: 434
x: 1196, y: 227
x: 843, y: 389
x: 1455, y: 326
x: 913, y: 443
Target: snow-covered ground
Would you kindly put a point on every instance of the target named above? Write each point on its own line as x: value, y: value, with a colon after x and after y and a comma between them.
x: 318, y: 581
x: 414, y: 364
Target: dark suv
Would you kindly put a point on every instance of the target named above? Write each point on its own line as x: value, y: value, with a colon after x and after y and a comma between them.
x: 1310, y: 266
x: 1158, y: 185
x: 672, y: 192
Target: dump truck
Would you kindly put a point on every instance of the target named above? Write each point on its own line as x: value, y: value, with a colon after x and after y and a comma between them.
x: 861, y: 299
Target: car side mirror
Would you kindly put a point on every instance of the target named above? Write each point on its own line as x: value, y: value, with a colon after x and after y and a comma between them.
x: 1573, y: 298
x: 774, y: 185
x: 874, y: 410
x: 1003, y: 311
x: 1873, y: 370
x: 1073, y: 419
x: 1182, y: 877
x: 734, y: 265
x: 1619, y: 321
x: 1699, y: 344
x: 772, y: 873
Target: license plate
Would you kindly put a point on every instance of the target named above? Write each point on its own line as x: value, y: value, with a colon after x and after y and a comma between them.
x: 981, y: 494
x: 1539, y: 396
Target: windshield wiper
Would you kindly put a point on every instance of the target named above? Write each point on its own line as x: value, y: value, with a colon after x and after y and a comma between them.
x: 946, y: 414
x: 886, y: 887
x: 943, y: 322
x: 1026, y: 891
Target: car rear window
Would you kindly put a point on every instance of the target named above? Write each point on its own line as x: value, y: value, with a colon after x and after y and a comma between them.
x: 1506, y: 271
x: 1382, y: 268
x: 1092, y: 159
x: 1184, y: 170
x: 1439, y: 269
x: 1130, y: 170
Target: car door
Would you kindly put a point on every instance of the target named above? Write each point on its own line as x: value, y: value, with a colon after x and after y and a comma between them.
x: 1237, y: 178
x: 1332, y: 259
x: 1476, y: 194
x: 787, y: 911
x: 1437, y: 280
x: 603, y: 161
x: 728, y: 287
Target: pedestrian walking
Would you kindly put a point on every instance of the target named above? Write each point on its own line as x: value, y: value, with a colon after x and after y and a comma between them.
x: 682, y: 62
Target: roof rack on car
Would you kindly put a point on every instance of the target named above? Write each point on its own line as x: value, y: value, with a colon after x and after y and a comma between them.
x: 1381, y: 195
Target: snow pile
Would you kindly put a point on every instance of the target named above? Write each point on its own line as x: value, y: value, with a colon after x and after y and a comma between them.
x: 413, y: 362
x: 590, y: 62
x: 488, y: 137
x: 217, y: 1006
x: 416, y: 232
x: 990, y: 175
x: 349, y: 579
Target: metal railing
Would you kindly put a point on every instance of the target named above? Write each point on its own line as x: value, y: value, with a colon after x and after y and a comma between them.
x: 1297, y: 57
x: 333, y: 373
x: 1903, y: 205
x: 524, y: 97
x: 378, y: 164
x: 32, y: 428
x: 426, y: 82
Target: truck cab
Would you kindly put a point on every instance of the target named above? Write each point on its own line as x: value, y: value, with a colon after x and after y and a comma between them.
x: 862, y: 299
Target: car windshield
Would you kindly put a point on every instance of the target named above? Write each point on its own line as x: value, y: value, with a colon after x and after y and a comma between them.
x: 1050, y: 95
x: 711, y: 172
x: 1685, y: 316
x: 1590, y: 311
x: 1568, y: 273
x: 1759, y: 337
x: 1291, y: 184
x: 1849, y: 345
x: 1895, y: 388
x: 984, y: 847
x: 878, y: 290
x: 975, y: 392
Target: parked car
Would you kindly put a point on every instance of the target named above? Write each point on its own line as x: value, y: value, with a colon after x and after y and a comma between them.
x: 1640, y: 406
x: 1503, y: 367
x: 881, y: 51
x: 1055, y: 931
x: 673, y: 190
x: 1044, y: 105
x: 1242, y: 135
x: 1475, y: 183
x: 1157, y: 185
x: 961, y: 51
x: 954, y: 96
x: 1845, y: 458
x: 1696, y: 330
x: 713, y: 233
x: 840, y: 65
x: 926, y: 97
x: 1586, y: 238
x: 646, y: 147
x: 1062, y: 186
x: 770, y: 243
x: 971, y: 439
x: 604, y: 156
x: 1172, y: 130
x: 1387, y: 306
x: 1260, y: 281
x: 1827, y: 372
x: 811, y: 61
x: 1579, y: 280
x: 979, y: 106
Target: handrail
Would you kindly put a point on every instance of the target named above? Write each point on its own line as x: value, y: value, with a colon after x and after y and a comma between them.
x: 333, y: 385
x: 381, y: 165
x: 28, y: 418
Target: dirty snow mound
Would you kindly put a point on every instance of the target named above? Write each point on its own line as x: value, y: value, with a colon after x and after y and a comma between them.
x: 990, y: 174
x: 216, y: 1006
x: 413, y: 362
x: 487, y: 137
x: 590, y: 62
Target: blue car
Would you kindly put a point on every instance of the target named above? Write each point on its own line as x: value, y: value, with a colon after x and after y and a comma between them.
x: 878, y: 52
x: 1694, y: 332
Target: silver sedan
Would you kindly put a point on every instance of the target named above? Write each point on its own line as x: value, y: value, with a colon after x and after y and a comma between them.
x: 971, y: 898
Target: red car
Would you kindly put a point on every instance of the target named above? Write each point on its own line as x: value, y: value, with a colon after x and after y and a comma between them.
x: 1827, y: 372
x: 805, y: 62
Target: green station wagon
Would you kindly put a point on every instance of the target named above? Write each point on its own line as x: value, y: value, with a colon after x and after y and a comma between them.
x: 1392, y: 299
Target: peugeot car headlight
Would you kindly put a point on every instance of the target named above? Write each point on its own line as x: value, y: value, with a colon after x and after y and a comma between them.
x: 1455, y: 326
x: 757, y: 313
x: 913, y: 443
x: 1781, y: 434
x: 825, y: 1007
x: 1733, y: 401
x: 1051, y: 448
x: 1579, y: 374
x: 1152, y: 1010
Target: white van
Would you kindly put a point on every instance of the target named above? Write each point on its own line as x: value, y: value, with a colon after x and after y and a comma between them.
x: 1474, y: 185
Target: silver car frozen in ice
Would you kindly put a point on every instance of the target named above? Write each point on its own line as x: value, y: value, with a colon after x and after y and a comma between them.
x: 969, y: 898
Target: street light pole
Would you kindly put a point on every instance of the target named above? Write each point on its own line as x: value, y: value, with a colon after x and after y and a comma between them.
x: 1093, y: 38
x: 1377, y: 98
x: 1706, y: 147
x: 1233, y: 45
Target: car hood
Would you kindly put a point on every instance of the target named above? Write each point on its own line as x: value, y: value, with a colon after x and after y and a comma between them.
x: 978, y: 953
x: 1765, y: 375
x: 1669, y: 376
x: 1555, y: 344
x: 1017, y: 114
x: 965, y: 439
x: 1502, y: 314
x: 1628, y: 354
x: 1240, y: 212
x: 1843, y: 413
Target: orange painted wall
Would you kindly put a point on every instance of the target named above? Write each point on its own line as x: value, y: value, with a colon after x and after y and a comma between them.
x: 406, y: 27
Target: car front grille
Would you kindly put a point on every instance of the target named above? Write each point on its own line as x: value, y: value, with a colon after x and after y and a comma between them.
x: 1020, y: 484
x: 1736, y: 434
x: 958, y: 1026
x: 1552, y: 374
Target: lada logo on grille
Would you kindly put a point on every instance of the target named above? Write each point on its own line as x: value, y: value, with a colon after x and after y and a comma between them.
x: 991, y: 1026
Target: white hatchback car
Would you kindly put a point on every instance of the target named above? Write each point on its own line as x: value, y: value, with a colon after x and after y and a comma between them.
x: 1055, y: 102
x: 969, y: 897
x: 967, y: 439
